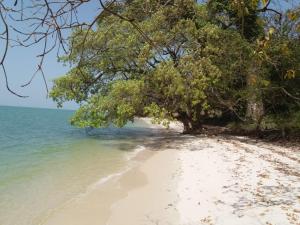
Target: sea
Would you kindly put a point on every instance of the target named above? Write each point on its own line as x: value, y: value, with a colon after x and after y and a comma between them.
x: 45, y: 162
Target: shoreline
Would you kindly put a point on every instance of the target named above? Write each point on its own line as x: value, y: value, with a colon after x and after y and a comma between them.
x: 189, y: 180
x: 101, y: 196
x: 72, y: 211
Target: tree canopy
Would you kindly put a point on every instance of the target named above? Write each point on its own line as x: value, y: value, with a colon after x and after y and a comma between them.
x: 187, y: 61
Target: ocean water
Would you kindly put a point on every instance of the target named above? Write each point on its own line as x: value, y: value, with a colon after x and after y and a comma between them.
x: 45, y: 162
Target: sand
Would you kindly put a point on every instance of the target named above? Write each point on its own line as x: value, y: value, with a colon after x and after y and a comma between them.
x: 192, y: 180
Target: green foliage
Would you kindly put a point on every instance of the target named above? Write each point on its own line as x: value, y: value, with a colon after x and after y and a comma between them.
x: 120, y: 105
x: 118, y: 74
x: 282, y: 65
x: 240, y: 14
x: 182, y: 61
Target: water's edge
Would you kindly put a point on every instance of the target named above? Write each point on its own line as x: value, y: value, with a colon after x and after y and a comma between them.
x: 45, y: 163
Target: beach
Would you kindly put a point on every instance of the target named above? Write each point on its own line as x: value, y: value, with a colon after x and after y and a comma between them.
x: 189, y: 180
x: 142, y: 174
x: 150, y: 112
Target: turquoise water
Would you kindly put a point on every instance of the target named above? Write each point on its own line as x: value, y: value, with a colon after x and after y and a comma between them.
x: 44, y: 162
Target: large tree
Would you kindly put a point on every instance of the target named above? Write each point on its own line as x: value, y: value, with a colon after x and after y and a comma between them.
x: 171, y: 69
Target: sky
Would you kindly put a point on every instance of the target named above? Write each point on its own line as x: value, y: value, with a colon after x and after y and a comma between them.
x: 21, y: 63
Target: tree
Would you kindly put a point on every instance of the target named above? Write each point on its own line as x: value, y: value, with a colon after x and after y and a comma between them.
x: 273, y: 65
x: 119, y: 74
x: 46, y: 24
x: 281, y: 96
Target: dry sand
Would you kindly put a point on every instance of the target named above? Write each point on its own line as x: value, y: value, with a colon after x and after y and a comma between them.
x: 194, y: 180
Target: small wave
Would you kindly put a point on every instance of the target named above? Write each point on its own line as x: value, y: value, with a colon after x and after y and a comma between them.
x: 89, y: 189
x: 92, y: 187
x: 104, y: 180
x: 136, y: 151
x: 107, y: 178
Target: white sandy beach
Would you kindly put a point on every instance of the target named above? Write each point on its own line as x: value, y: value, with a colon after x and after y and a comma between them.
x: 191, y: 180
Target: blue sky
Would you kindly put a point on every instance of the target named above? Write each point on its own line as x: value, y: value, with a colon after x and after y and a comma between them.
x: 21, y: 63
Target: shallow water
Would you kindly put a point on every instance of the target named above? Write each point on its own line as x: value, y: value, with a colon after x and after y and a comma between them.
x: 44, y: 162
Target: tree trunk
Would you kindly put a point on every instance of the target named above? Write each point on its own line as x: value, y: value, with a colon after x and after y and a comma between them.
x: 255, y: 106
x: 189, y: 125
